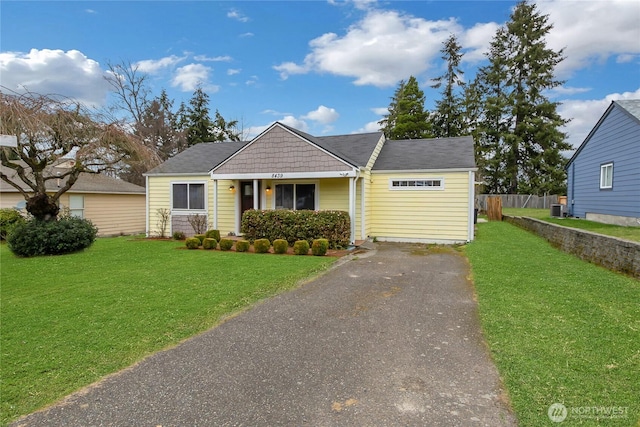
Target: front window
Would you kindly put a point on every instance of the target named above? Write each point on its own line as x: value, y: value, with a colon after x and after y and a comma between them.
x: 606, y: 176
x: 295, y: 196
x: 188, y: 196
x: 417, y: 184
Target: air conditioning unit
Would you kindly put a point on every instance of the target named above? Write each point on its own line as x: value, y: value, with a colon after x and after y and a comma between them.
x: 557, y: 211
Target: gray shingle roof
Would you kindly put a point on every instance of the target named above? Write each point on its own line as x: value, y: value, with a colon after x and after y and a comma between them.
x: 631, y: 105
x: 416, y: 154
x: 355, y: 149
x: 86, y: 183
x: 199, y: 159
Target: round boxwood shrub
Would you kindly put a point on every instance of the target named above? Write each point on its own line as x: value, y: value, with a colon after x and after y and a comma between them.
x: 192, y: 242
x: 179, y: 235
x: 62, y: 236
x: 213, y: 234
x: 209, y: 243
x: 280, y: 246
x: 200, y: 237
x: 319, y: 247
x: 8, y: 218
x: 226, y: 244
x: 261, y: 246
x: 301, y: 247
x: 242, y: 246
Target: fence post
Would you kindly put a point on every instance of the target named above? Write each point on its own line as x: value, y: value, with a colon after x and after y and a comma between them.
x: 494, y: 208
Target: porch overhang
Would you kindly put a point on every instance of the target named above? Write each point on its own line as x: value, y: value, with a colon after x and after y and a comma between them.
x: 353, y: 173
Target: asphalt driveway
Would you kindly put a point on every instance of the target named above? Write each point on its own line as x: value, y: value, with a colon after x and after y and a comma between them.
x: 389, y: 338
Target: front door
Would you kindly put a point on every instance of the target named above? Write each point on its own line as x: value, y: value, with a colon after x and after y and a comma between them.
x: 246, y: 196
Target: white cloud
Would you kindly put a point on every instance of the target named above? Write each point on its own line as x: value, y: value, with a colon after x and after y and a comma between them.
x: 624, y: 58
x: 152, y: 66
x: 190, y: 76
x: 379, y: 50
x: 247, y: 34
x: 90, y: 11
x: 47, y: 71
x: 295, y: 123
x: 253, y: 80
x: 322, y: 115
x: 204, y: 58
x: 233, y: 71
x: 592, y: 31
x: 584, y: 114
x: 476, y: 41
x: 381, y: 111
x: 568, y: 90
x: 237, y: 15
x: 369, y: 127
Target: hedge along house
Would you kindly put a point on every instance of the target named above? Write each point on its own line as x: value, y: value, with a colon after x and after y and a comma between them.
x: 603, y: 176
x: 413, y: 191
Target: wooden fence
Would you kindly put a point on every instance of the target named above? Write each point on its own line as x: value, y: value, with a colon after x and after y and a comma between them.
x: 518, y: 201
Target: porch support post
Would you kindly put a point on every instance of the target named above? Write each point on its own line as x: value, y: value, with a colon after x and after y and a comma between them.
x: 215, y: 204
x: 256, y: 195
x: 363, y: 235
x: 352, y: 208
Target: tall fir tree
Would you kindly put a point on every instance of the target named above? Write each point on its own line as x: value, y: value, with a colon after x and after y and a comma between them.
x: 448, y: 118
x: 519, y: 126
x: 200, y: 127
x: 407, y: 118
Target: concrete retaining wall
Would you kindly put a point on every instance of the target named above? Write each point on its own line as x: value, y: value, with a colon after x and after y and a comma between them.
x: 610, y: 252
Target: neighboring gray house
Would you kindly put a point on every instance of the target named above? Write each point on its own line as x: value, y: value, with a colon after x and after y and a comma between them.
x: 603, y: 176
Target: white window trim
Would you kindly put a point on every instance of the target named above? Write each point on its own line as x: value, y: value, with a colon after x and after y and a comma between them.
x: 316, y: 201
x: 189, y: 211
x: 603, y: 169
x: 415, y: 187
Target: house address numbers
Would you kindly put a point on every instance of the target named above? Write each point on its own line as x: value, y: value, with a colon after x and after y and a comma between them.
x: 277, y: 175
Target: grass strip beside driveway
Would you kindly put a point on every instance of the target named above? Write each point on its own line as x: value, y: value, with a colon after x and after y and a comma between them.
x: 628, y: 233
x: 560, y: 330
x: 69, y: 320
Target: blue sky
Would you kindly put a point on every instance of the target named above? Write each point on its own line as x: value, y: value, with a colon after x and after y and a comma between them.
x: 324, y: 67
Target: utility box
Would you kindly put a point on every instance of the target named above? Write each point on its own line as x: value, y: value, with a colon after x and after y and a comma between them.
x: 557, y: 211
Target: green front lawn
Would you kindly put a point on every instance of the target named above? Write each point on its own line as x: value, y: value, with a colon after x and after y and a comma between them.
x: 628, y: 233
x: 559, y: 329
x: 69, y: 320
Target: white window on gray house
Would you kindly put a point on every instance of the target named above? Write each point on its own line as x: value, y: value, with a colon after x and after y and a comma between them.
x: 76, y: 206
x: 188, y: 196
x: 295, y: 196
x: 417, y: 184
x: 606, y: 176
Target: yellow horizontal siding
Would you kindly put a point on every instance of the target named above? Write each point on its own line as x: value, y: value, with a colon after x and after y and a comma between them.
x: 10, y: 200
x: 334, y: 194
x: 227, y: 210
x: 420, y: 214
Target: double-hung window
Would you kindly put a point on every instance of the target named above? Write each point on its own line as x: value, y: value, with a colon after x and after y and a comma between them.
x: 188, y: 196
x: 606, y: 176
x: 76, y: 206
x: 295, y: 196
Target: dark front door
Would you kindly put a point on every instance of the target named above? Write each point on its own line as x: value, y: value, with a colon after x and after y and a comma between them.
x: 246, y: 195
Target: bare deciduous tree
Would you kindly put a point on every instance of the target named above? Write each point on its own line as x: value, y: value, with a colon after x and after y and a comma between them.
x: 51, y: 130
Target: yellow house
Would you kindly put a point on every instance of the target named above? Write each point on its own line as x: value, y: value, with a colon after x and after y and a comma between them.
x: 408, y: 191
x: 114, y: 206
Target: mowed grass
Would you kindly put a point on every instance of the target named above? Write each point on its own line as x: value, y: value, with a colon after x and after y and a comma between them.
x: 559, y: 329
x: 628, y: 233
x: 69, y: 320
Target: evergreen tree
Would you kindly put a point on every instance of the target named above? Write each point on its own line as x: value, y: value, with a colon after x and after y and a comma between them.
x: 407, y: 118
x: 519, y: 127
x: 198, y: 124
x: 448, y: 117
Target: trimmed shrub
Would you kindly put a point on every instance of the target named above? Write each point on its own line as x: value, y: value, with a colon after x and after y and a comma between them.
x: 261, y: 246
x: 209, y: 243
x: 280, y: 246
x: 242, y: 245
x: 62, y: 236
x: 319, y: 247
x: 179, y: 235
x: 213, y: 234
x: 192, y: 242
x: 335, y: 226
x: 8, y: 218
x: 301, y: 247
x: 200, y: 237
x: 226, y: 244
